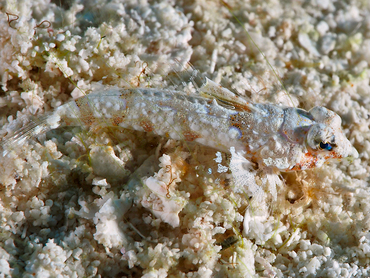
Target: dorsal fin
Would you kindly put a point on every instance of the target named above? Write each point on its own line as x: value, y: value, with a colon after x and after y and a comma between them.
x: 211, y: 89
x: 181, y: 74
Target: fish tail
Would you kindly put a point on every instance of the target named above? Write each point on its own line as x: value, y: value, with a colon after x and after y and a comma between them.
x: 31, y: 129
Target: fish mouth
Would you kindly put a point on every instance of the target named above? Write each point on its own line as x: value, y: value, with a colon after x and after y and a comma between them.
x: 348, y: 151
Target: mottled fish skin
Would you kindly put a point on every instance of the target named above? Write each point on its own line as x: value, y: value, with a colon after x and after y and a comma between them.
x: 280, y: 138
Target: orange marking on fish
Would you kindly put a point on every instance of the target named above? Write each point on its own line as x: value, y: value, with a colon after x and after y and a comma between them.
x: 117, y: 120
x: 190, y: 136
x: 147, y: 126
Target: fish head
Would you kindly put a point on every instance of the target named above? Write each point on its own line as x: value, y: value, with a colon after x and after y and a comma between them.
x: 325, y: 140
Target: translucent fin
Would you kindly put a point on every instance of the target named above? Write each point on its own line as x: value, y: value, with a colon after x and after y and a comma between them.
x: 214, y: 90
x: 35, y: 127
x: 183, y: 74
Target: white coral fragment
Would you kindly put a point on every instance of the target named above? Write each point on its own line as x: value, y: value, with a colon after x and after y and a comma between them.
x: 50, y: 259
x: 163, y: 201
x: 107, y: 221
x: 105, y: 163
x: 259, y: 225
x: 109, y: 234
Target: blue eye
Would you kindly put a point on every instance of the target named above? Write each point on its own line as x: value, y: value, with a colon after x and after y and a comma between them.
x: 326, y: 146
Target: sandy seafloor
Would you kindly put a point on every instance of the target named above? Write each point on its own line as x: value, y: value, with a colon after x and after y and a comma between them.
x: 81, y: 202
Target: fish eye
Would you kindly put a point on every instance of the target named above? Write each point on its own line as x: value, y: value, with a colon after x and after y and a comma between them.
x: 325, y: 146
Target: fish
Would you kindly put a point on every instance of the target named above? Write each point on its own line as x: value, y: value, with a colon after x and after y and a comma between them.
x: 275, y: 137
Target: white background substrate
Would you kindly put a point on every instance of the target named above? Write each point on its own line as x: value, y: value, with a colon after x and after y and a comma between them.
x: 73, y: 207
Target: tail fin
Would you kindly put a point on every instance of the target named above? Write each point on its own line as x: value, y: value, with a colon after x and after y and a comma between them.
x: 33, y: 128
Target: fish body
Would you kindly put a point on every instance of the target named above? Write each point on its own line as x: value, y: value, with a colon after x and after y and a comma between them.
x: 281, y: 138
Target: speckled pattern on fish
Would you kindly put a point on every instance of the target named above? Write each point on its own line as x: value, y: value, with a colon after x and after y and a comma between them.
x: 280, y: 138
